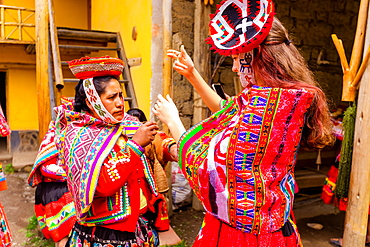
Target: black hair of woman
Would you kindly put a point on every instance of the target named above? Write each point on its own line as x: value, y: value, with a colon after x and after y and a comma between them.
x: 136, y: 112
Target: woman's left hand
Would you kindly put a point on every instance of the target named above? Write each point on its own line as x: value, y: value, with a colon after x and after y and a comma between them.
x: 166, y: 110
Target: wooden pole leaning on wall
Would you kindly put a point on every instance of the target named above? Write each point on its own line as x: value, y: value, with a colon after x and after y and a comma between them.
x: 356, y: 220
x: 58, y: 74
x: 42, y: 77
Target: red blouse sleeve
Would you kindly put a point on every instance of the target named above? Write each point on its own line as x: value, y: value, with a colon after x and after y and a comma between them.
x: 118, y: 167
x: 162, y: 143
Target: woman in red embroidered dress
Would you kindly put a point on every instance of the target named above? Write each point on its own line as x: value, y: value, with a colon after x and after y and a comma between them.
x: 240, y: 161
x: 107, y: 172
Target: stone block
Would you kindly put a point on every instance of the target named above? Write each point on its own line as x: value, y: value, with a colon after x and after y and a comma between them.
x: 183, y: 91
x: 282, y: 8
x: 318, y: 34
x: 321, y: 15
x: 186, y: 108
x: 24, y: 159
x: 339, y: 5
x: 302, y: 13
x: 353, y: 6
x: 183, y: 16
x: 319, y: 5
x: 339, y: 18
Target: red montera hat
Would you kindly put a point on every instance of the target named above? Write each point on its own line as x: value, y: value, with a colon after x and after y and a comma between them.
x: 89, y: 67
x: 240, y: 25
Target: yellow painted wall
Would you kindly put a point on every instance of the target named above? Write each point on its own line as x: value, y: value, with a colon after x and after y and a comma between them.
x: 21, y: 82
x: 22, y: 101
x: 68, y: 13
x: 122, y: 16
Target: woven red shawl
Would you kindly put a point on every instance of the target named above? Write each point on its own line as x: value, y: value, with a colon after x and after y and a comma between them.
x: 240, y: 161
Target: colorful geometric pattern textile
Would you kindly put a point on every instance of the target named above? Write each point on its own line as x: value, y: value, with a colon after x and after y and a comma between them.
x: 238, y: 26
x: 5, y: 233
x: 240, y: 161
x: 3, y: 185
x: 85, y: 142
x: 89, y: 67
x: 48, y: 150
x: 218, y: 234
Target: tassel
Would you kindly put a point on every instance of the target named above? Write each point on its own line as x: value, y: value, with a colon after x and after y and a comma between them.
x: 345, y: 162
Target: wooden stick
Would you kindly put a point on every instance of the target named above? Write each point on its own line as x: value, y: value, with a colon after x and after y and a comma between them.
x: 342, y: 55
x: 167, y: 40
x: 42, y: 66
x: 58, y: 74
x: 361, y: 71
x: 358, y: 44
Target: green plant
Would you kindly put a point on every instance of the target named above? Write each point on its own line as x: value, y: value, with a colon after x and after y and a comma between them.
x: 9, y: 169
x: 182, y: 244
x: 33, y: 239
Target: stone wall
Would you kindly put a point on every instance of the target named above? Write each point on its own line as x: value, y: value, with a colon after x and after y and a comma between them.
x: 310, y: 23
x: 183, y: 34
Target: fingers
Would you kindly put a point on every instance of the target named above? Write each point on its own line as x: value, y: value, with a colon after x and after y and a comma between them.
x: 151, y: 125
x: 178, y: 65
x: 183, y: 51
x: 168, y: 97
x: 161, y: 98
x: 173, y: 54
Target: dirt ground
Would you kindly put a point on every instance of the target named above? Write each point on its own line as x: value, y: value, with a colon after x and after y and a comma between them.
x: 19, y: 198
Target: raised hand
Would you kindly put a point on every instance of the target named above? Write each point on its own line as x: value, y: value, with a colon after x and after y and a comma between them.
x: 145, y: 134
x: 165, y: 109
x: 167, y: 112
x: 183, y: 63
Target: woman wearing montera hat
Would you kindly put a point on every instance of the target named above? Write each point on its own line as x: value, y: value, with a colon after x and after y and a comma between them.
x: 240, y: 161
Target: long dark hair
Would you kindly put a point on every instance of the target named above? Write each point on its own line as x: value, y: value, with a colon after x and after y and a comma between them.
x: 100, y: 84
x: 278, y: 63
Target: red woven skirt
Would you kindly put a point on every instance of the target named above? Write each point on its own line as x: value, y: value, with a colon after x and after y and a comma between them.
x: 216, y: 233
x: 54, y: 210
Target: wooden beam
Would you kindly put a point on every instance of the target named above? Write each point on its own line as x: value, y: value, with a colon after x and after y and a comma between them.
x: 58, y: 74
x: 42, y: 66
x: 359, y: 194
x: 167, y: 41
x: 77, y: 34
x: 202, y: 57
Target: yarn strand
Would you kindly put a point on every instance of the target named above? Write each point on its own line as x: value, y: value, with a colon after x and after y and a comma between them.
x: 345, y: 162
